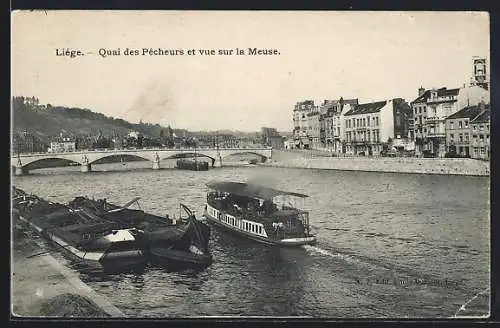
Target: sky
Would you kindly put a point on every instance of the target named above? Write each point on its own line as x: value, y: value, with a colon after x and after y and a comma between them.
x: 371, y: 56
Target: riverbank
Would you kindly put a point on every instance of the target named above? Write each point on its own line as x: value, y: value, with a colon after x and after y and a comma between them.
x: 42, y: 287
x: 323, y: 160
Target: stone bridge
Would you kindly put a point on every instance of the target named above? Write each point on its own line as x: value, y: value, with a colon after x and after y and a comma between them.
x: 26, y: 162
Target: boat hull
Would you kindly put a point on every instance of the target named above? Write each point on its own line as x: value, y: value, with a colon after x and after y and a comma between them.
x: 108, y: 260
x: 263, y: 240
x: 192, y: 165
x: 178, y: 260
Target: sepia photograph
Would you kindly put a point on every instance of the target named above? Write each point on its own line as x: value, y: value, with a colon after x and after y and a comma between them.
x: 250, y: 164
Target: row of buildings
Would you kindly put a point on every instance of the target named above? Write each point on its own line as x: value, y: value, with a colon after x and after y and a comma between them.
x: 437, y: 123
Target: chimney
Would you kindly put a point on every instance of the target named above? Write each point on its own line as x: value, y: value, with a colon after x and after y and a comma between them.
x: 421, y: 91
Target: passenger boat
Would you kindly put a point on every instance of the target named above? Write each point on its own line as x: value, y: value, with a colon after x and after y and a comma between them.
x: 173, y: 243
x: 90, y: 239
x: 262, y: 214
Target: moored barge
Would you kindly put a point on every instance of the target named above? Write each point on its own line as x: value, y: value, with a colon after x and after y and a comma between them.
x: 90, y: 239
x: 173, y: 243
x: 193, y: 165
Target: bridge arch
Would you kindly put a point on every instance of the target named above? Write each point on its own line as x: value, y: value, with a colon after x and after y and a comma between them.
x: 184, y: 155
x: 187, y: 155
x: 117, y: 156
x: 263, y: 158
x: 48, y: 162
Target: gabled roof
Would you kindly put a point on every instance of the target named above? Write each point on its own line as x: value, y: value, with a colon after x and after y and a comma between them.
x: 441, y: 92
x: 367, y: 108
x: 250, y: 190
x: 484, y: 117
x: 351, y: 101
x: 469, y: 112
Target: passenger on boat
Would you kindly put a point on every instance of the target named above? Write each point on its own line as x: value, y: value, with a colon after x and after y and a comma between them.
x: 238, y: 209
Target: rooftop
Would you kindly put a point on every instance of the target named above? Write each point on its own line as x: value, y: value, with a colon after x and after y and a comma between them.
x: 469, y: 112
x: 483, y: 117
x: 367, y: 108
x: 441, y: 92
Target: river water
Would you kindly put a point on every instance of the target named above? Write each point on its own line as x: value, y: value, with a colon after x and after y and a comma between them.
x: 389, y: 245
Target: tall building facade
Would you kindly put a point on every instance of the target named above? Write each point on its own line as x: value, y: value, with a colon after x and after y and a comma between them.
x: 301, y: 123
x: 480, y: 136
x: 430, y: 110
x: 331, y: 130
x: 458, y: 130
x: 370, y: 127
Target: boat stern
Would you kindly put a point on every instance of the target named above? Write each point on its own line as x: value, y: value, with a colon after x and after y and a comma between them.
x: 311, y: 240
x: 125, y: 251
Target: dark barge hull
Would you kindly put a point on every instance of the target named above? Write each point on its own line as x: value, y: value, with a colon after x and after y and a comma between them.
x: 179, y: 260
x: 110, y: 261
x: 192, y: 165
x: 110, y: 249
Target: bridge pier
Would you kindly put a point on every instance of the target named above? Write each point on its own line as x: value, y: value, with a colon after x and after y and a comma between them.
x: 19, y: 171
x: 156, y: 162
x: 85, y: 168
x: 216, y: 163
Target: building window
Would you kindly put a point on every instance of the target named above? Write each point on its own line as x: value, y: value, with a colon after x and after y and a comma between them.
x: 376, y: 121
x: 461, y: 137
x: 459, y: 124
x: 451, y: 125
x: 481, y: 127
x: 467, y: 137
x: 481, y: 136
x: 451, y: 136
x: 420, y: 110
x: 466, y: 124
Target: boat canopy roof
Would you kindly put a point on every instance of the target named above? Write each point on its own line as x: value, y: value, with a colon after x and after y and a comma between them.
x: 251, y: 190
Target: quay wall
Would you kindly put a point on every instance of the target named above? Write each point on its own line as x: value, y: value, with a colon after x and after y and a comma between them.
x: 325, y: 160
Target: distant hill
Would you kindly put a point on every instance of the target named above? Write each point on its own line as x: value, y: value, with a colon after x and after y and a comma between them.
x: 46, y: 121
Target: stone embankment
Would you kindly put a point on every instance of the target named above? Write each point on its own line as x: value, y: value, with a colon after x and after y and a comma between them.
x: 43, y: 287
x: 325, y: 160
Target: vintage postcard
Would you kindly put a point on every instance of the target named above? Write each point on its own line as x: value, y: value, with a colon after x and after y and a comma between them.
x: 187, y: 164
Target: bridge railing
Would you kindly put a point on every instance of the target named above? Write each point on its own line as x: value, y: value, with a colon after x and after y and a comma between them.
x: 80, y: 151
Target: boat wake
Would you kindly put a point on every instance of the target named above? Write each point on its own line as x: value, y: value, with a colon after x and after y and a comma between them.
x: 318, y: 250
